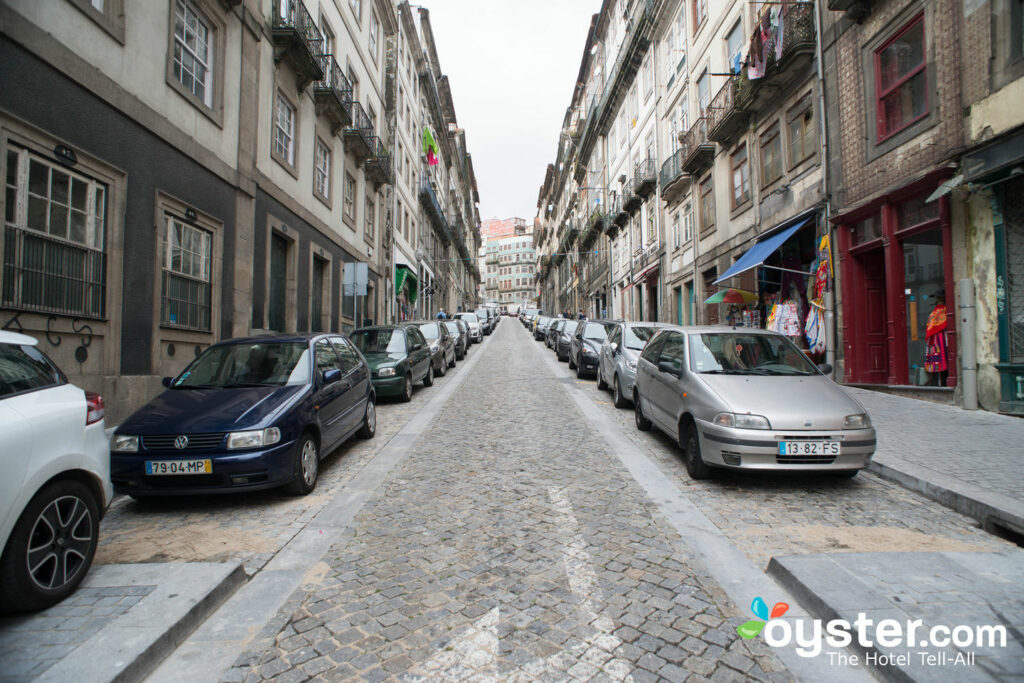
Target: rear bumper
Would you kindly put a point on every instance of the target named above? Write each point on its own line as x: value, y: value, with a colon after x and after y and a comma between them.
x: 756, y: 449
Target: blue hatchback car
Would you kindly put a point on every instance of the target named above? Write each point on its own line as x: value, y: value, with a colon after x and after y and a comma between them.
x: 247, y: 414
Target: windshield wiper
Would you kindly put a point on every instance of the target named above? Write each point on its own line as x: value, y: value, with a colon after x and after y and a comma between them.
x: 722, y: 372
x: 248, y: 384
x: 193, y: 386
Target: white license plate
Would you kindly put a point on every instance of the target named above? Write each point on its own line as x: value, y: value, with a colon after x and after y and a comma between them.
x: 178, y: 467
x: 808, y: 448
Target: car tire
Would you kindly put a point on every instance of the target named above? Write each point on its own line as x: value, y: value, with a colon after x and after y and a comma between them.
x: 572, y: 362
x: 601, y: 384
x: 305, y: 465
x: 442, y: 369
x: 642, y: 423
x: 428, y: 379
x: 369, y: 427
x: 579, y: 371
x: 689, y: 441
x: 72, y: 546
x: 452, y: 363
x: 617, y: 398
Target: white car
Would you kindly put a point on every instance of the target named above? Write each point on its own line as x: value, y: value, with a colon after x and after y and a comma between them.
x: 54, y: 477
x: 476, y: 333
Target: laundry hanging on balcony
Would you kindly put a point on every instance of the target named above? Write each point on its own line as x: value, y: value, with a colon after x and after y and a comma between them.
x: 429, y: 147
x: 766, y: 41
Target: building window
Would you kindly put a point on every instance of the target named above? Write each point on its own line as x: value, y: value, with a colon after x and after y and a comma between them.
x: 193, y: 52
x: 322, y: 171
x: 740, y: 177
x: 771, y: 155
x: 675, y: 230
x: 803, y: 138
x: 374, y: 35
x: 108, y: 15
x: 54, y: 230
x: 901, y: 88
x: 187, y: 254
x: 704, y: 92
x: 369, y: 228
x: 650, y: 225
x: 327, y: 33
x: 700, y: 13
x: 349, y: 200
x: 648, y: 76
x: 284, y: 131
x: 707, y: 204
x: 687, y: 224
x: 357, y: 8
x: 734, y: 48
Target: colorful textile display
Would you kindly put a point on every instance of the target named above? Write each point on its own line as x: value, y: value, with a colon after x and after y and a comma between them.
x: 430, y: 147
x: 935, y: 333
x: 814, y: 329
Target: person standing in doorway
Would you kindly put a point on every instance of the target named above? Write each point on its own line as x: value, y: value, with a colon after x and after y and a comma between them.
x: 935, y: 361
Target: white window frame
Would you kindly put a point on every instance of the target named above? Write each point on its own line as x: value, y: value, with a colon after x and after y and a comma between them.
x: 322, y: 170
x: 197, y: 244
x: 184, y: 50
x: 283, y: 145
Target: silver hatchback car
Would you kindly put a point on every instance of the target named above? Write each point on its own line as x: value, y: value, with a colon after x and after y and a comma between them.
x: 616, y: 363
x: 745, y: 398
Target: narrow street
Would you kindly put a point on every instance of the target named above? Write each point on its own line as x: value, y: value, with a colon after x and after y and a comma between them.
x: 511, y: 539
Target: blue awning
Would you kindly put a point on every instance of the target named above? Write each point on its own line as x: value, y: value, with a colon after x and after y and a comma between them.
x: 757, y: 254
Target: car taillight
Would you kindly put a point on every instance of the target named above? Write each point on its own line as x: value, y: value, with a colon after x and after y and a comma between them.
x: 94, y: 407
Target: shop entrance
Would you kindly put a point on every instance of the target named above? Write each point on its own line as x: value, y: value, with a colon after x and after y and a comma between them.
x: 875, y: 336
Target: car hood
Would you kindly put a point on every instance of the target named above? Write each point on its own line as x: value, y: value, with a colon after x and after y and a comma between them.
x: 381, y: 360
x: 180, y: 411
x: 788, y: 402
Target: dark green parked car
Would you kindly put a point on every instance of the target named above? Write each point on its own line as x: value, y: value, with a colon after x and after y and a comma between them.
x: 398, y: 356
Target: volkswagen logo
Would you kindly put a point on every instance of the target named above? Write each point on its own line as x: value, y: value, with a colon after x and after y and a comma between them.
x: 181, y: 442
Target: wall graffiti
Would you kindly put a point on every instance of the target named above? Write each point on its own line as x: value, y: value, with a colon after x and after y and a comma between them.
x: 13, y: 324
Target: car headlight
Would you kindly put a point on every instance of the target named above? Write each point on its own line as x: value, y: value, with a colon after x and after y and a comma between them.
x: 589, y: 351
x: 741, y: 421
x: 254, y: 438
x: 631, y: 365
x: 121, y: 443
x: 861, y: 421
x: 386, y: 372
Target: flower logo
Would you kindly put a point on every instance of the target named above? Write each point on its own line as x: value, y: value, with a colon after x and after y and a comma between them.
x: 760, y: 609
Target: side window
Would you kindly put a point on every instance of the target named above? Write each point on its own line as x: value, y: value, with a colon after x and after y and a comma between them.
x: 617, y: 336
x: 326, y: 358
x: 23, y: 368
x: 673, y: 350
x: 415, y: 337
x: 346, y: 353
x: 653, y: 348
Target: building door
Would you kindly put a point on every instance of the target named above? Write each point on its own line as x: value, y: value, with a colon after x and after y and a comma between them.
x: 316, y: 296
x: 691, y: 305
x: 679, y: 305
x: 652, y: 299
x: 278, y: 284
x: 875, y: 359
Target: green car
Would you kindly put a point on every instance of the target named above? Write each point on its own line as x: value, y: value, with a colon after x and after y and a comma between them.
x: 398, y: 356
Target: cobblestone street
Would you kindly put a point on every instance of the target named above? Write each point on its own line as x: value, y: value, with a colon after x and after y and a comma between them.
x: 511, y: 545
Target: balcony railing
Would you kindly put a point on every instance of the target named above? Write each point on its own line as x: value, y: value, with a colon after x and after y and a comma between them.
x: 726, y: 119
x: 645, y: 178
x: 378, y: 166
x: 630, y: 201
x: 333, y: 94
x: 359, y: 135
x: 428, y: 198
x: 698, y: 151
x: 856, y: 10
x: 618, y: 215
x: 674, y: 180
x: 797, y: 51
x: 297, y: 40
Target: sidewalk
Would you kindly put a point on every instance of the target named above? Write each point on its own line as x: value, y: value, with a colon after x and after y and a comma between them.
x: 971, y: 461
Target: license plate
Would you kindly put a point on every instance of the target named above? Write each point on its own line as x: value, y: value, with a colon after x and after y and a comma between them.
x: 808, y: 448
x: 178, y: 467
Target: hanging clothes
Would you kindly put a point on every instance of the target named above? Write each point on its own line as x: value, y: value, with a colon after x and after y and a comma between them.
x: 814, y: 329
x: 935, y: 333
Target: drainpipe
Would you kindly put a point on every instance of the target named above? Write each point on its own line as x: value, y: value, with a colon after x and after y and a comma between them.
x: 968, y: 347
x: 830, y: 299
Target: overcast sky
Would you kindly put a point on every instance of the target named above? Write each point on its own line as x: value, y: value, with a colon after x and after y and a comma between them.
x: 512, y: 65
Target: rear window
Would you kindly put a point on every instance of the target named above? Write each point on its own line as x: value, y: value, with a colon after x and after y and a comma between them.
x: 24, y: 368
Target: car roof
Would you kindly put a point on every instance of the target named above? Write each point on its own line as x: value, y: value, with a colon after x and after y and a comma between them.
x: 279, y: 337
x: 7, y: 337
x: 397, y: 326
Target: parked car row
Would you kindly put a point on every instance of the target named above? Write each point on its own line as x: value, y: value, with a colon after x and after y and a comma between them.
x: 732, y: 398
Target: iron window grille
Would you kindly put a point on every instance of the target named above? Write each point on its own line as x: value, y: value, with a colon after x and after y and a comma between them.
x: 187, y: 256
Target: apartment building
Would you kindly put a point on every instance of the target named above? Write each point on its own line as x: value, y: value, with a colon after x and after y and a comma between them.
x: 196, y: 170
x: 510, y: 261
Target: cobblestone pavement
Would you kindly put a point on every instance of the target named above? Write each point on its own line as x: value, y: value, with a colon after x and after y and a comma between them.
x: 510, y: 545
x: 977, y: 447
x: 248, y: 527
x: 769, y: 514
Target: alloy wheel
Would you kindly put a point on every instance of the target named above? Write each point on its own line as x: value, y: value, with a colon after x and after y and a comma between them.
x: 59, y: 543
x: 309, y: 462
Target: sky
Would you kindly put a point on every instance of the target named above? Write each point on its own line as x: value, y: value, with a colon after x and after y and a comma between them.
x: 512, y: 67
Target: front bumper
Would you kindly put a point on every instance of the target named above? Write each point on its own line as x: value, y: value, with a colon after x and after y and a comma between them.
x: 588, y: 363
x: 388, y: 386
x: 235, y: 471
x: 757, y: 449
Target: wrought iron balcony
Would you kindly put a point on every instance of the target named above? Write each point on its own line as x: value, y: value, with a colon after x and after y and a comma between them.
x: 428, y: 198
x: 378, y: 166
x: 297, y: 40
x: 726, y: 119
x: 645, y: 178
x: 619, y: 216
x: 631, y: 202
x: 856, y: 10
x: 798, y: 47
x: 359, y: 135
x: 698, y: 151
x: 674, y: 180
x: 333, y: 94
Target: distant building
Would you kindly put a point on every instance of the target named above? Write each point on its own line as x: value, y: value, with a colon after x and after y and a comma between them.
x: 509, y: 261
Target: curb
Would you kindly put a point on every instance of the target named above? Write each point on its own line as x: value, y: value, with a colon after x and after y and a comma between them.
x: 997, y: 514
x: 134, y: 644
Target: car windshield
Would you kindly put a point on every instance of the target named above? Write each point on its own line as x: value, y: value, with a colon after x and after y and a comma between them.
x: 596, y: 331
x: 636, y: 337
x: 247, y: 365
x: 468, y: 317
x: 570, y: 327
x: 543, y: 321
x: 23, y: 368
x: 453, y: 328
x: 747, y: 354
x: 481, y: 314
x: 429, y: 330
x: 379, y: 341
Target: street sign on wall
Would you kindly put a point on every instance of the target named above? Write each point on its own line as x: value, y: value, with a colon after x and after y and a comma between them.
x: 355, y: 279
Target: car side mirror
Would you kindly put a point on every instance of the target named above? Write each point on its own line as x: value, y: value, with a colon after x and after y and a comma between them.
x: 614, y: 347
x: 331, y: 376
x: 166, y: 381
x: 670, y: 368
x: 825, y: 368
x: 416, y: 346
